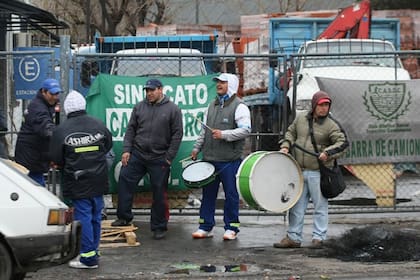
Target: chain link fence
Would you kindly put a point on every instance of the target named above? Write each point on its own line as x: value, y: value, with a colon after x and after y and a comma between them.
x: 269, y: 92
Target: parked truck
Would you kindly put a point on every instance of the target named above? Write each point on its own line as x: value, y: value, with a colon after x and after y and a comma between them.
x: 299, y: 35
x: 121, y: 65
x: 135, y: 49
x: 350, y: 47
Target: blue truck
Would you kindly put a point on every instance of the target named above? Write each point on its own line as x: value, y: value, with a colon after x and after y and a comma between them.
x: 151, y: 47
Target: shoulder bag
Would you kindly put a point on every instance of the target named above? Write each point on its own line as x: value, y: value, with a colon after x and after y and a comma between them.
x: 332, y: 180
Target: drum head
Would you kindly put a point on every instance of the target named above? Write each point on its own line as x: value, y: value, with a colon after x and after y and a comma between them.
x: 272, y: 181
x: 197, y: 173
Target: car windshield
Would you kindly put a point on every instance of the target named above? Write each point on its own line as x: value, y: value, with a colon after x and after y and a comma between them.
x: 372, y: 57
x: 159, y: 66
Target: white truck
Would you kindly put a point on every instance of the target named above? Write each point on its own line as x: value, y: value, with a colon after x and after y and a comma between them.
x: 332, y: 58
x: 35, y: 227
x: 153, y: 62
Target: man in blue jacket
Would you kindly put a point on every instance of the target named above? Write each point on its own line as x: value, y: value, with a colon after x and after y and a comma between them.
x: 33, y: 140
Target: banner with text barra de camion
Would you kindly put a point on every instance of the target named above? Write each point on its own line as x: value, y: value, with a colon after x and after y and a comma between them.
x: 381, y: 119
x: 111, y: 98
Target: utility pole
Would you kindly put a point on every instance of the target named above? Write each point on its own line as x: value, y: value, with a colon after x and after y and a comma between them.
x: 88, y: 14
x: 197, y: 11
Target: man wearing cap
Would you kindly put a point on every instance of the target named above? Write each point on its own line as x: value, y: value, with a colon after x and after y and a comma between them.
x: 32, y: 143
x: 79, y: 146
x: 221, y: 142
x: 331, y: 142
x: 151, y: 142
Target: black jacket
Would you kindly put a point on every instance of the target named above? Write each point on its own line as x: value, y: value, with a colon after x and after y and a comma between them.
x: 155, y: 130
x: 79, y: 146
x: 33, y: 140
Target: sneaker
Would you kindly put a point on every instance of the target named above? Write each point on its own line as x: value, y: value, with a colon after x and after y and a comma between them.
x: 121, y: 223
x: 316, y: 244
x: 229, y: 235
x: 202, y: 234
x: 78, y: 264
x: 287, y: 243
x: 159, y: 234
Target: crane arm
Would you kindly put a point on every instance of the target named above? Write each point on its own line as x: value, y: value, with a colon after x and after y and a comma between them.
x: 354, y: 19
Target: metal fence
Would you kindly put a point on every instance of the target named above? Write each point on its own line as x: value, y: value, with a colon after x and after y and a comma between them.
x: 371, y: 187
x: 261, y: 84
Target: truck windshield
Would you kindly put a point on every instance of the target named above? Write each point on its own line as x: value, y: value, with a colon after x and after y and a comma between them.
x: 158, y: 66
x: 372, y: 57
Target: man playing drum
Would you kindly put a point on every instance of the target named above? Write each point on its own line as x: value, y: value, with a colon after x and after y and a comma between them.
x: 221, y: 141
x: 332, y: 142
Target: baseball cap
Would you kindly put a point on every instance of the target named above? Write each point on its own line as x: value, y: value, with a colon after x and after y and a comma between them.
x: 153, y: 84
x: 222, y: 77
x: 52, y: 86
x: 324, y: 100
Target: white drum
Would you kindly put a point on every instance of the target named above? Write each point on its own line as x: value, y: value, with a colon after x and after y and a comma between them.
x: 270, y: 181
x: 198, y: 174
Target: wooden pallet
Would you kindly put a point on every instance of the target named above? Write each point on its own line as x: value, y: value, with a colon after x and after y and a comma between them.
x: 112, y: 237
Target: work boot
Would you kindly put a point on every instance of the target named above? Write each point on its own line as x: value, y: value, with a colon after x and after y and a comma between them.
x: 316, y: 244
x: 159, y: 234
x: 121, y: 223
x: 287, y: 243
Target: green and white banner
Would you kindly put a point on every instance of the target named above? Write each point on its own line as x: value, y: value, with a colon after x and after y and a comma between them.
x: 111, y: 99
x: 381, y: 118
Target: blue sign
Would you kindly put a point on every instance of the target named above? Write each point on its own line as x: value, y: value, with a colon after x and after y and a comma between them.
x: 30, y: 70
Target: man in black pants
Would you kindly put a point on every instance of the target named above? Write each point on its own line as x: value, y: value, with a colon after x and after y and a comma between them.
x: 152, y: 139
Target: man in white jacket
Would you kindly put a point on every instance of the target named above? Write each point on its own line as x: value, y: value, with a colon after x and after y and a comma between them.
x: 221, y: 141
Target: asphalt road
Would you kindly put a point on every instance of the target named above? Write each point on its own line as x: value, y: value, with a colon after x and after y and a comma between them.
x: 178, y: 256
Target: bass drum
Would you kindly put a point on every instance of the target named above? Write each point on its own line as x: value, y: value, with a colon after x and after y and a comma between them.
x: 271, y: 181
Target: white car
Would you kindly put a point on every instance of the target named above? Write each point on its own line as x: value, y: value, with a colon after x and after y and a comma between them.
x: 35, y: 227
x: 327, y: 63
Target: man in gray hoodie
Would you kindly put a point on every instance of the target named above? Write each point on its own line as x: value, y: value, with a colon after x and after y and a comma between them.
x: 151, y: 141
x: 221, y: 141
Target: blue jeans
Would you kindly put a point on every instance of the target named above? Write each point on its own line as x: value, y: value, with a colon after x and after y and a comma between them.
x: 129, y: 178
x: 226, y: 173
x: 88, y: 212
x: 311, y: 190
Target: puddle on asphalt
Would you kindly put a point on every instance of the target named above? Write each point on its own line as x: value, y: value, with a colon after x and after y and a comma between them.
x: 188, y: 268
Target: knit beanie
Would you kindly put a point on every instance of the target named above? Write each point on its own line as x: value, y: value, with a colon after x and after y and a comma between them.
x: 74, y: 102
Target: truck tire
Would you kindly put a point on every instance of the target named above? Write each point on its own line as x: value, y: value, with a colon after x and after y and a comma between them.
x: 6, y: 263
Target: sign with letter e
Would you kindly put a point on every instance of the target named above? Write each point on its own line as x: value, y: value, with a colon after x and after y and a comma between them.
x: 31, y: 69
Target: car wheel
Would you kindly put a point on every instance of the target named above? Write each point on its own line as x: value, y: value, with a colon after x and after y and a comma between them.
x: 6, y: 263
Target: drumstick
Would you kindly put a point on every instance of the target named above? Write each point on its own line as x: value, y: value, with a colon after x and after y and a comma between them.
x: 187, y: 158
x: 200, y: 121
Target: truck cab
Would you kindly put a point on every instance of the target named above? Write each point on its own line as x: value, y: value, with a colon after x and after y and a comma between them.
x: 35, y: 228
x: 350, y: 59
x: 173, y: 62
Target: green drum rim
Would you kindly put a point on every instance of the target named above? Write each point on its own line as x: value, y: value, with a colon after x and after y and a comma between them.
x: 243, y: 178
x: 198, y: 185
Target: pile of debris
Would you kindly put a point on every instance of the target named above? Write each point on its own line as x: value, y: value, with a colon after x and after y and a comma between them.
x: 384, y: 243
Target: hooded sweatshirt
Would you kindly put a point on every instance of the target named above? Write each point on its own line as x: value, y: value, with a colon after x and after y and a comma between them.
x: 232, y: 117
x: 329, y: 136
